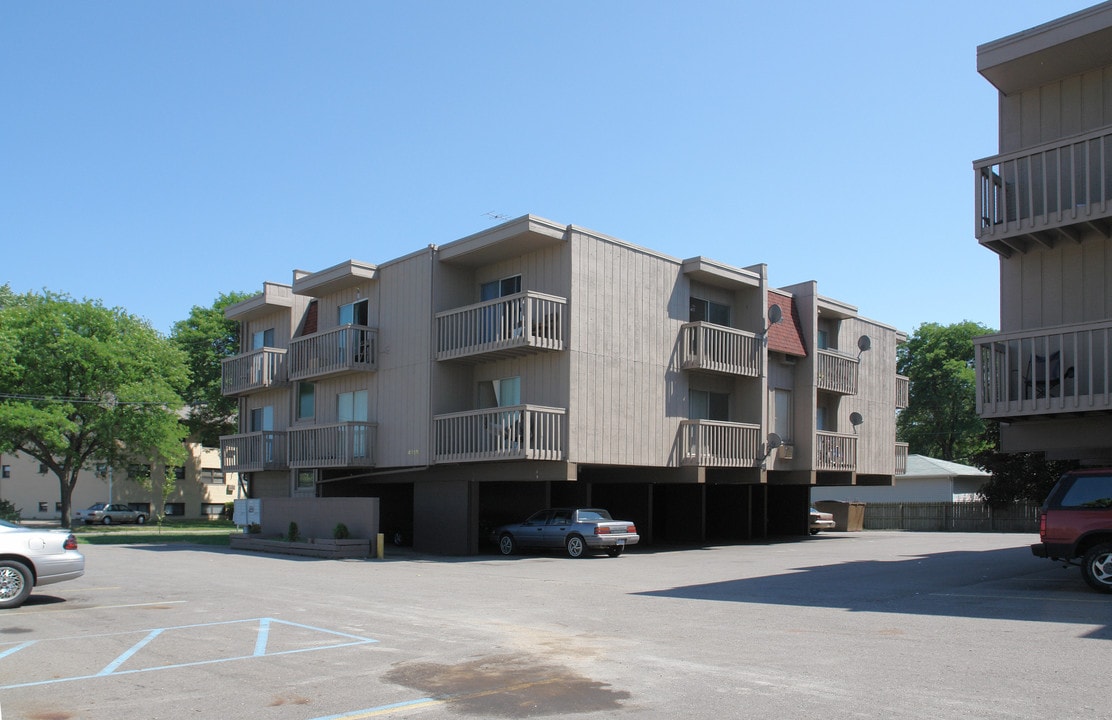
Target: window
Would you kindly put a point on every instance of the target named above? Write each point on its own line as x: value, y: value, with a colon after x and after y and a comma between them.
x: 782, y: 413
x: 212, y: 509
x: 500, y: 288
x: 500, y: 393
x: 42, y: 469
x: 356, y: 313
x: 352, y: 407
x: 179, y: 474
x: 174, y: 509
x: 6, y: 471
x: 212, y: 476
x: 1092, y: 491
x: 306, y: 479
x: 138, y: 472
x: 58, y: 507
x: 705, y: 405
x: 820, y: 418
x: 43, y: 506
x: 709, y: 311
x: 262, y: 419
x: 306, y: 400
x: 262, y: 339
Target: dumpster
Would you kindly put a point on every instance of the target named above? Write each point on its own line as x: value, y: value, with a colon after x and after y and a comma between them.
x: 848, y: 516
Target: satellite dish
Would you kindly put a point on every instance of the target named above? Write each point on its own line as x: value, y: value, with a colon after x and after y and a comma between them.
x: 775, y: 314
x: 774, y: 441
x: 856, y: 419
x: 864, y: 343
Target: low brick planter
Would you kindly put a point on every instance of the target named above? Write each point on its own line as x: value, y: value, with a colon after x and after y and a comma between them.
x: 314, y: 547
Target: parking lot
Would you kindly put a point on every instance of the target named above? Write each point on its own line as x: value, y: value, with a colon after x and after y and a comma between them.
x: 866, y: 625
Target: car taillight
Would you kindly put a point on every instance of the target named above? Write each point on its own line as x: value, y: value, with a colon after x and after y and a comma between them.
x: 631, y: 529
x: 602, y: 530
x: 1042, y: 527
x: 70, y: 543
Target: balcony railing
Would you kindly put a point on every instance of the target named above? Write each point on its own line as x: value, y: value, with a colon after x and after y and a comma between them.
x: 903, y: 391
x: 710, y: 443
x: 901, y: 458
x: 343, y: 349
x: 836, y: 372
x: 256, y: 370
x: 517, y: 324
x: 835, y: 452
x: 714, y: 348
x: 344, y: 444
x: 1041, y: 192
x: 253, y: 452
x: 528, y: 432
x: 1064, y: 369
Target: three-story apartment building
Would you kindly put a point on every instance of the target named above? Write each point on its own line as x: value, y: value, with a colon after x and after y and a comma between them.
x: 539, y: 364
x: 1044, y: 206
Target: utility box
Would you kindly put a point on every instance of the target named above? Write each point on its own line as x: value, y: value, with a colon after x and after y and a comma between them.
x: 848, y: 516
x: 246, y: 512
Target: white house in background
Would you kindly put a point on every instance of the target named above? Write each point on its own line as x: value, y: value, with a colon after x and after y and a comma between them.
x: 926, y: 480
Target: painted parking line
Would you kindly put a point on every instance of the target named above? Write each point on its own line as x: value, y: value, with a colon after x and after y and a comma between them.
x: 298, y: 638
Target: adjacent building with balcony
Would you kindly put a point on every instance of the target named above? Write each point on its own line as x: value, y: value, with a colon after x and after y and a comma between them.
x: 537, y: 364
x: 1044, y: 206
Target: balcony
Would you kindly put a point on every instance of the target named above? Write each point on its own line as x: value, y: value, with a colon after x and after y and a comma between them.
x: 901, y: 458
x: 516, y: 432
x: 903, y: 391
x: 837, y: 373
x: 253, y: 452
x: 1064, y: 369
x: 710, y: 443
x: 517, y: 324
x: 344, y: 444
x: 252, y: 371
x: 834, y: 451
x: 348, y: 348
x: 718, y: 349
x: 1042, y: 194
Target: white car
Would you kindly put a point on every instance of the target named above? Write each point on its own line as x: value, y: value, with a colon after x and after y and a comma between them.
x: 30, y: 557
x: 820, y: 521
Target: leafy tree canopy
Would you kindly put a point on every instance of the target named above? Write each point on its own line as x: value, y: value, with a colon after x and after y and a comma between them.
x: 941, y: 418
x: 207, y: 337
x: 82, y: 383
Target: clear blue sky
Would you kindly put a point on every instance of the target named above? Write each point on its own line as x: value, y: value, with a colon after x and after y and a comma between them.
x: 156, y: 154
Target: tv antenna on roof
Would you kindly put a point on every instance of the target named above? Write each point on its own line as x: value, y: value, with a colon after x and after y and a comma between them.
x: 496, y: 216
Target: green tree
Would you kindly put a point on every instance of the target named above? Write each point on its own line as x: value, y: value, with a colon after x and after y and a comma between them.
x: 82, y: 384
x: 1017, y: 477
x: 207, y: 337
x: 941, y: 419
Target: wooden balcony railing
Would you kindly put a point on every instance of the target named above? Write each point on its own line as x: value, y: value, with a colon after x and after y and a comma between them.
x: 714, y: 348
x: 525, y: 322
x: 527, y: 432
x: 343, y: 349
x: 835, y: 452
x: 344, y: 444
x: 253, y: 452
x: 251, y: 371
x: 903, y: 390
x: 710, y: 443
x: 1042, y: 192
x: 1063, y: 369
x: 837, y: 372
x: 901, y: 458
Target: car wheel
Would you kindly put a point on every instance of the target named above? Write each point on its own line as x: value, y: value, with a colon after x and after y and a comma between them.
x: 575, y: 546
x: 107, y: 520
x: 615, y: 551
x: 15, y: 583
x: 140, y: 519
x: 506, y: 544
x: 814, y: 532
x: 1097, y: 567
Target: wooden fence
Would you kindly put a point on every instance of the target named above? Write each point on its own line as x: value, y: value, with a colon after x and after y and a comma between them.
x: 952, y: 517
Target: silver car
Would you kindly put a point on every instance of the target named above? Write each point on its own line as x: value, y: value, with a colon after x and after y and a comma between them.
x: 108, y: 514
x: 31, y: 558
x: 576, y: 530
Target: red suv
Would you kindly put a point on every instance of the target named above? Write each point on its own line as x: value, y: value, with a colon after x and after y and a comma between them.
x: 1076, y: 522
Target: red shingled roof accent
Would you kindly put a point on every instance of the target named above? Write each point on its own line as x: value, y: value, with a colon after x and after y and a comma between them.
x: 786, y: 336
x: 310, y: 325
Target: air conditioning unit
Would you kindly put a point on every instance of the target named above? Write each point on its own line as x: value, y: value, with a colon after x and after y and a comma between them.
x: 787, y: 452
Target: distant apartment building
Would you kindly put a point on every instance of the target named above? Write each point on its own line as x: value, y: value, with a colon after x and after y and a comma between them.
x: 537, y: 364
x: 1044, y: 206
x: 201, y: 487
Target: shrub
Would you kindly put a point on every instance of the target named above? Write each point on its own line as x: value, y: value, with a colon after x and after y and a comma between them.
x: 340, y: 532
x: 293, y: 534
x: 8, y: 511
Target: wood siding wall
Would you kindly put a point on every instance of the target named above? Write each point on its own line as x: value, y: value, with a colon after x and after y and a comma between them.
x: 1056, y: 110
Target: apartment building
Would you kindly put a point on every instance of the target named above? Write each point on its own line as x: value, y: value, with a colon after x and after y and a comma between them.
x: 200, y: 489
x: 537, y: 364
x: 1044, y: 206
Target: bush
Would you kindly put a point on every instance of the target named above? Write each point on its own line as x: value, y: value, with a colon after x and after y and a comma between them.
x: 8, y: 511
x: 293, y: 534
x: 340, y: 532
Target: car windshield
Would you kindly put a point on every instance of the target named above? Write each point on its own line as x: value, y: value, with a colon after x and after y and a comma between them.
x: 594, y: 514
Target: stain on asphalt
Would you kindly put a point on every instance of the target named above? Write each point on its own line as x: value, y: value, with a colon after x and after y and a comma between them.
x: 509, y: 686
x: 280, y: 700
x: 15, y: 631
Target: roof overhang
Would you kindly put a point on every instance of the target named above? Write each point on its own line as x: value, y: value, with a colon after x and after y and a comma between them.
x: 712, y: 272
x: 517, y: 237
x: 275, y: 296
x: 338, y: 277
x: 1067, y: 46
x: 835, y: 308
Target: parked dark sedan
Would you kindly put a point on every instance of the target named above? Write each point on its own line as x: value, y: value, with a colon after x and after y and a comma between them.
x: 576, y: 530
